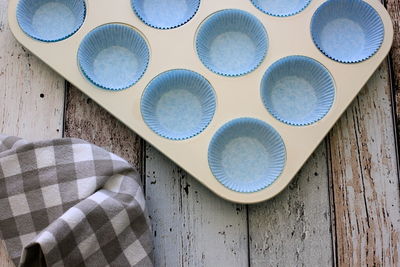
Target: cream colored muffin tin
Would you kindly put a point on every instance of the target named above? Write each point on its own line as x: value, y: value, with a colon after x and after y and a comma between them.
x: 176, y: 49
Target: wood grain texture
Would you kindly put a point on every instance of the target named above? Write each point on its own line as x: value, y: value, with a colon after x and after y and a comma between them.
x: 86, y: 120
x: 5, y: 261
x: 293, y: 229
x: 393, y: 6
x: 364, y: 179
x: 31, y: 96
x: 191, y: 225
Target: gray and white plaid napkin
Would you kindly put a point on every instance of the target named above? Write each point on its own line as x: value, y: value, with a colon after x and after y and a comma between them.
x: 66, y: 202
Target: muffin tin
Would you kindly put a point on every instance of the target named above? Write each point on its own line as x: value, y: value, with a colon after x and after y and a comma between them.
x: 238, y: 93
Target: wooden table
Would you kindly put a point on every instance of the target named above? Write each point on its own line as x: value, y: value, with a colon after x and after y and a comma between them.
x: 343, y: 208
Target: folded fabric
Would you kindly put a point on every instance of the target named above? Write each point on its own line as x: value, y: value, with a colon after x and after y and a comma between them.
x: 66, y: 202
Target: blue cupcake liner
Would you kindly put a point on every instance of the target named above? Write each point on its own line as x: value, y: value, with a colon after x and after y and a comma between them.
x: 340, y: 28
x: 241, y: 40
x: 280, y: 8
x: 178, y: 104
x: 165, y: 14
x: 50, y: 20
x: 113, y: 56
x: 246, y: 155
x: 298, y: 90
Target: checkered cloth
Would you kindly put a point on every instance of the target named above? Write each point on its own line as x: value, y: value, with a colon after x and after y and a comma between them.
x: 66, y: 202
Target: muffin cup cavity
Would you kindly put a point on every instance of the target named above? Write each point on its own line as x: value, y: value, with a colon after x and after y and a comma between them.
x: 167, y: 14
x: 298, y: 90
x: 178, y: 104
x: 281, y: 8
x: 50, y: 20
x: 113, y: 56
x: 246, y: 155
x: 347, y: 31
x: 232, y: 42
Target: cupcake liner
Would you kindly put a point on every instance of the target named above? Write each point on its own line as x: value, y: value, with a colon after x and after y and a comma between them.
x: 232, y: 42
x: 246, y: 155
x: 50, y: 20
x: 281, y: 8
x: 113, y: 56
x: 178, y: 104
x: 298, y: 90
x: 347, y: 31
x: 165, y: 14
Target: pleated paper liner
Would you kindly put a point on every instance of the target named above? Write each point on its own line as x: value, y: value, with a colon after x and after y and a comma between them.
x: 281, y: 8
x: 178, y: 104
x: 50, y: 20
x: 165, y: 14
x: 298, y: 90
x: 232, y: 42
x: 113, y: 56
x: 348, y: 31
x: 246, y: 155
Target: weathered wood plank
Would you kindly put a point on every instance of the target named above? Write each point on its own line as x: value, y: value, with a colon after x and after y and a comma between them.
x: 293, y: 229
x: 192, y: 226
x: 5, y: 261
x: 393, y: 6
x: 364, y: 179
x: 31, y: 96
x: 86, y: 120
